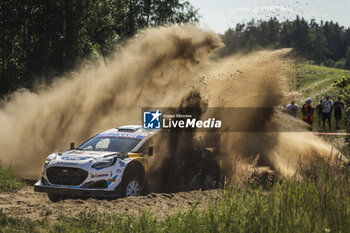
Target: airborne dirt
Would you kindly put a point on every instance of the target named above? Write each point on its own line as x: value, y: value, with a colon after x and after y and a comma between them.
x: 159, y: 67
x: 153, y: 69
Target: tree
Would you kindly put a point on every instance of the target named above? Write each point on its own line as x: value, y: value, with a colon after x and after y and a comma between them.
x: 319, y: 46
x: 347, y: 57
x: 47, y: 38
x: 323, y: 43
x: 147, y: 13
x: 286, y: 34
x: 300, y: 35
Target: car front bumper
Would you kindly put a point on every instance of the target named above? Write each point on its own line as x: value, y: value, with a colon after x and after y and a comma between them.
x: 66, y: 191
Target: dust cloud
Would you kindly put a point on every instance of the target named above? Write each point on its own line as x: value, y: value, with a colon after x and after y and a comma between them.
x: 255, y: 80
x: 160, y: 67
x: 260, y: 80
x: 148, y: 71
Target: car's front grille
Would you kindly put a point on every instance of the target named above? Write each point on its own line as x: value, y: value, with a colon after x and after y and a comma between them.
x: 66, y: 175
x: 100, y: 184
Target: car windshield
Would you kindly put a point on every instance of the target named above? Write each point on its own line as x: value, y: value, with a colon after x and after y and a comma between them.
x: 113, y: 144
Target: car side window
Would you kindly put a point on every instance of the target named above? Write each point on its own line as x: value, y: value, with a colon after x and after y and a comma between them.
x: 145, y: 147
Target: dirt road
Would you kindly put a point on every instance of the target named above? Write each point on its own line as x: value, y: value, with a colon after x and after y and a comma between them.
x: 28, y: 204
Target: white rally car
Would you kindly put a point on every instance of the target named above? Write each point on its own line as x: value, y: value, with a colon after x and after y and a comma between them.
x: 113, y: 164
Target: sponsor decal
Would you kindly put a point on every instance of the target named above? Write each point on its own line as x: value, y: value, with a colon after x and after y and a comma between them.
x: 99, y: 175
x: 122, y: 135
x: 75, y: 152
x: 151, y: 119
x: 64, y: 186
x: 67, y: 163
x: 74, y: 157
x: 113, y: 179
x: 121, y: 163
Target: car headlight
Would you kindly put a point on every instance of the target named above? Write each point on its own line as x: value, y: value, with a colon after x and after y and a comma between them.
x: 102, y: 163
x: 50, y: 158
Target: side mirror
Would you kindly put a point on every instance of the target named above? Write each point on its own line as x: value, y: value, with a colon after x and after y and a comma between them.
x: 150, y: 150
x: 72, y: 146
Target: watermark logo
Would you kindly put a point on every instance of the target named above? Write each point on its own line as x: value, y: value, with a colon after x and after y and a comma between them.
x: 151, y: 119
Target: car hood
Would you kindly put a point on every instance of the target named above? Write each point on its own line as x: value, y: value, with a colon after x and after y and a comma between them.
x: 76, y: 155
x: 79, y: 158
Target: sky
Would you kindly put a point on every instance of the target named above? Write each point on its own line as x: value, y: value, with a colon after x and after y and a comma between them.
x: 219, y: 15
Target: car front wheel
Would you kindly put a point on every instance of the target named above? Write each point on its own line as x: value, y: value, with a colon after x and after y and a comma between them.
x: 133, y: 189
x: 54, y: 197
x: 132, y: 186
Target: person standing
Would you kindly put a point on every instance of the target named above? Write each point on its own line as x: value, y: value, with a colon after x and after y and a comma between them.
x: 308, y: 112
x: 327, y: 112
x: 319, y: 110
x: 292, y: 109
x: 347, y: 123
x: 347, y: 112
x: 338, y: 108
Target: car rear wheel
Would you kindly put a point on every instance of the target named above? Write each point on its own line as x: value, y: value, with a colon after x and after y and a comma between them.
x: 208, y: 178
x: 209, y: 181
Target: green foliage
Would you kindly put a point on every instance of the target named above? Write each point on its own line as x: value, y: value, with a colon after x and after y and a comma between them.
x: 47, y: 38
x: 318, y: 204
x: 329, y: 63
x: 316, y: 81
x: 12, y: 224
x: 340, y: 64
x: 8, y: 180
x: 347, y: 57
x: 317, y: 42
x: 343, y: 86
x: 344, y: 92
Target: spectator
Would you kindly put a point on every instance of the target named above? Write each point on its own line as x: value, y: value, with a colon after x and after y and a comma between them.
x: 292, y: 109
x: 338, y: 108
x: 347, y: 111
x: 327, y: 112
x: 308, y: 111
x: 319, y: 110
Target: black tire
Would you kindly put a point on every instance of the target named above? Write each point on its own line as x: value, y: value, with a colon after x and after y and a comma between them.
x: 54, y: 197
x: 210, y: 177
x: 133, y: 183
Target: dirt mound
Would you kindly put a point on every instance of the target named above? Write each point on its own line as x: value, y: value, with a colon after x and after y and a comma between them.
x: 28, y: 204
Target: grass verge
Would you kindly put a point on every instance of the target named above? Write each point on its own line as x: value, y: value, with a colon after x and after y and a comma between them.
x: 321, y: 203
x: 8, y: 180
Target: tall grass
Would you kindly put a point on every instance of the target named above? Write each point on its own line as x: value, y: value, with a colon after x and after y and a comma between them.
x: 8, y: 180
x: 320, y: 203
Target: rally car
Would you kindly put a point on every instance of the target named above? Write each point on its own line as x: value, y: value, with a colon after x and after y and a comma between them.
x: 111, y: 164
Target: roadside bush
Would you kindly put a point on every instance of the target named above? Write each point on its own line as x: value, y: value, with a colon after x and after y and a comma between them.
x: 329, y: 63
x: 347, y: 61
x: 340, y: 64
x: 8, y: 180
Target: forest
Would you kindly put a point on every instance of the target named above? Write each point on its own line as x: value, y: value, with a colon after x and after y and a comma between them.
x: 42, y: 39
x: 324, y: 43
